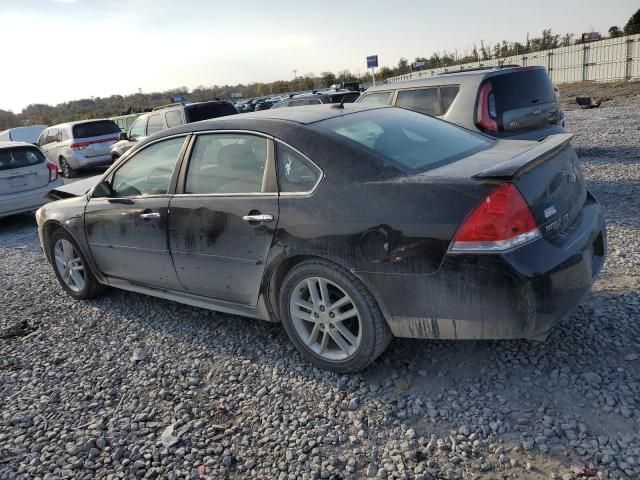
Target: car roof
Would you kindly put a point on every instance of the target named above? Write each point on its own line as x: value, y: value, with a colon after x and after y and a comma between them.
x: 6, y: 145
x: 305, y: 114
x: 449, y: 78
x: 80, y: 122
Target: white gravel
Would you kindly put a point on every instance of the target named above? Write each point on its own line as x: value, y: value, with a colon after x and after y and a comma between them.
x: 129, y: 386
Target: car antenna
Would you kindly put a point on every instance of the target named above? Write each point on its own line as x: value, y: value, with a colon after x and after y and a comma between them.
x: 341, y: 104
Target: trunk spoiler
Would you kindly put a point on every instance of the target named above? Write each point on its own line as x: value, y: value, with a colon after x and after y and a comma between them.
x: 527, y: 160
x: 75, y: 189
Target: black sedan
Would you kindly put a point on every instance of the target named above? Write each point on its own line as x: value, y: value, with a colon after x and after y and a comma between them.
x: 348, y: 224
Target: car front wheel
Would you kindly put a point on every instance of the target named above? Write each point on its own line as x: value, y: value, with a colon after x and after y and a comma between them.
x: 331, y: 317
x: 70, y: 267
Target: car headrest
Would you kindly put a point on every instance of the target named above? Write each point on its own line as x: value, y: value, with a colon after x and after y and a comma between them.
x: 237, y: 155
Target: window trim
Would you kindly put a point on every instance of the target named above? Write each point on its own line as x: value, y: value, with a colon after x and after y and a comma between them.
x: 425, y: 87
x: 108, y: 175
x: 307, y: 193
x: 269, y: 170
x: 392, y: 96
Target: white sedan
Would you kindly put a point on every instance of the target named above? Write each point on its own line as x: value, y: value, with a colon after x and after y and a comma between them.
x: 26, y: 176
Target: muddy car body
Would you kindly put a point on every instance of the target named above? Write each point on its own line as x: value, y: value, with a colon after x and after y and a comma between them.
x: 470, y: 238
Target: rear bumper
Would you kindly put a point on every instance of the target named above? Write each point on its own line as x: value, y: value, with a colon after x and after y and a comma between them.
x: 26, y: 201
x: 76, y: 162
x: 520, y: 294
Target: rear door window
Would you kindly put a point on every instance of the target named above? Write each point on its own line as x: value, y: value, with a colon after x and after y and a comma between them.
x: 447, y: 96
x: 295, y: 173
x: 95, y: 129
x: 173, y: 118
x: 376, y: 98
x: 227, y: 163
x: 423, y: 100
x: 155, y: 124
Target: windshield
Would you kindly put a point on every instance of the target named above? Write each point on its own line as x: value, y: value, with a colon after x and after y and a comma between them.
x: 410, y: 140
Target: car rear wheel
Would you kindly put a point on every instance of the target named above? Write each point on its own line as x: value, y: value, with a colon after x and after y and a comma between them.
x: 71, y: 268
x: 331, y: 317
x: 66, y: 169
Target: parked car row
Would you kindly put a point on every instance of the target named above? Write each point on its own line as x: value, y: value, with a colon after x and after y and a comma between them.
x: 293, y: 99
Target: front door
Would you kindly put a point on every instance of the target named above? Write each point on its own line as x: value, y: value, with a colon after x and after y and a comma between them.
x: 126, y: 223
x: 223, y: 217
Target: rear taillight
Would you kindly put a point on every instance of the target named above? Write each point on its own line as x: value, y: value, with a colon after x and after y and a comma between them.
x: 53, y: 171
x: 501, y: 222
x: 80, y: 145
x: 486, y: 109
x: 83, y: 145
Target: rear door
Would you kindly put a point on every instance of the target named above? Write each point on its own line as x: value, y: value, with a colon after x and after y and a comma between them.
x: 22, y: 169
x: 223, y: 216
x: 524, y: 100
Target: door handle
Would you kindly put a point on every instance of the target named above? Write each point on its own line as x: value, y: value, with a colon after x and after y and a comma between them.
x: 262, y: 217
x: 149, y: 216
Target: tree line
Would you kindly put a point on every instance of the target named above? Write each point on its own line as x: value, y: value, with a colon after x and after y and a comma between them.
x: 114, y: 105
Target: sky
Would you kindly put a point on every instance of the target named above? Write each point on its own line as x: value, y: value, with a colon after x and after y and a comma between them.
x: 61, y: 50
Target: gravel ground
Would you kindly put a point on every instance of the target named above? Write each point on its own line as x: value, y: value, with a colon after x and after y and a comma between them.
x: 129, y: 386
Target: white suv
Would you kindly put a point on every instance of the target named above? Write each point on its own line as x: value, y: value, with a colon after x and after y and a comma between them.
x: 77, y: 145
x: 25, y: 177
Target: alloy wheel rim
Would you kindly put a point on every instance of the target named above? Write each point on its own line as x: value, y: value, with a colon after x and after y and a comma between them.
x: 69, y: 265
x: 325, y: 319
x: 65, y: 168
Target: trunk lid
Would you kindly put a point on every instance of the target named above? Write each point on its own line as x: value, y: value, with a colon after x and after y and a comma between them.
x: 547, y: 173
x: 94, y: 139
x: 524, y: 100
x: 22, y: 168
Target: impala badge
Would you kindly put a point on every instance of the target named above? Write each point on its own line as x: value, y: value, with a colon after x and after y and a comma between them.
x: 549, y: 212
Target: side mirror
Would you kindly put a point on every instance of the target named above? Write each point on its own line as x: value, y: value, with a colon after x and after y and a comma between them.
x: 124, y: 136
x: 101, y: 190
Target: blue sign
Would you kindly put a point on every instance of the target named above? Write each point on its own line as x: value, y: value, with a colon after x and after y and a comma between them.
x: 372, y: 61
x: 178, y: 99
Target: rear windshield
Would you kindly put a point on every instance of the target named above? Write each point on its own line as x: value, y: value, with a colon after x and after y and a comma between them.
x: 205, y: 111
x: 348, y: 97
x: 20, y: 157
x: 95, y: 129
x: 522, y: 89
x: 411, y: 141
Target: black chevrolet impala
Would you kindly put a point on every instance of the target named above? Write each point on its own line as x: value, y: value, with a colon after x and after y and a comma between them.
x: 348, y: 225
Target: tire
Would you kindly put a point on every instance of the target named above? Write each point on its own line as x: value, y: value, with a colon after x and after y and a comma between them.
x: 66, y: 169
x: 90, y: 287
x: 369, y: 332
